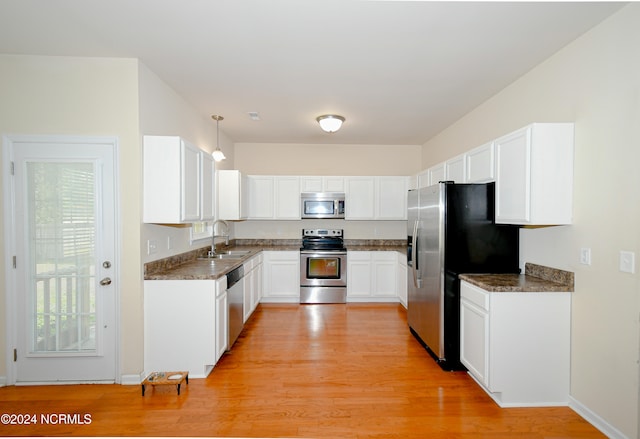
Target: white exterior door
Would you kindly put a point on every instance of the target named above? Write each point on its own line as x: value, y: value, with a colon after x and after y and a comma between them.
x: 60, y: 229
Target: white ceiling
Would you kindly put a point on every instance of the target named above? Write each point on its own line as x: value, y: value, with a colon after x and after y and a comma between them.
x: 399, y: 72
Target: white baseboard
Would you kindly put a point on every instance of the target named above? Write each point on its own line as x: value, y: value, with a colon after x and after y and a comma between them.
x: 609, y: 430
x: 3, y: 381
x: 131, y: 379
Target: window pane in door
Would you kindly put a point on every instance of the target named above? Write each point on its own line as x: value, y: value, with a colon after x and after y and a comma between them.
x: 61, y: 215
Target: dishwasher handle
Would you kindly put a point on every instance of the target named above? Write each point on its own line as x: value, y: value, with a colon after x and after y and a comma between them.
x: 234, y: 276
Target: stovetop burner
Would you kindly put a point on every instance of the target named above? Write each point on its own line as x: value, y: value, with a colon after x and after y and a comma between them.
x: 322, y: 239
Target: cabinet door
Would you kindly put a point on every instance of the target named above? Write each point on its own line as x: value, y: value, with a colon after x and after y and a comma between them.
x: 436, y: 174
x: 333, y: 184
x: 513, y: 177
x: 401, y: 280
x: 454, y: 169
x: 287, y: 198
x: 359, y: 274
x: 422, y: 179
x: 360, y: 198
x: 282, y: 275
x: 208, y: 187
x: 232, y: 195
x: 172, y: 180
x: 247, y: 303
x: 480, y: 164
x: 384, y: 271
x: 261, y: 196
x: 190, y: 175
x: 311, y: 184
x: 474, y: 340
x: 222, y: 329
x: 321, y: 184
x: 257, y: 283
x: 391, y: 198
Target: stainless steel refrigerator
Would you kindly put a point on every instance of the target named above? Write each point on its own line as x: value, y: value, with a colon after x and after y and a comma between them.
x: 451, y: 231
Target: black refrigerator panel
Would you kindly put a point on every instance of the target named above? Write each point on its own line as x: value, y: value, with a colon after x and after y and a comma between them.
x: 473, y: 242
x: 451, y: 327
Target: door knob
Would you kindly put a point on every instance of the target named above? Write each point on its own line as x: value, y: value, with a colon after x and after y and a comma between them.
x: 106, y: 281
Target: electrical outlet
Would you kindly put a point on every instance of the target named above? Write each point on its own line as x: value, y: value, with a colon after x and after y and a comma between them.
x: 152, y: 246
x: 627, y: 262
x: 585, y: 256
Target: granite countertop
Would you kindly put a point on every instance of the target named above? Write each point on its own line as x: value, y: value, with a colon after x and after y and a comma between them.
x: 537, y: 278
x: 187, y: 266
x: 374, y: 245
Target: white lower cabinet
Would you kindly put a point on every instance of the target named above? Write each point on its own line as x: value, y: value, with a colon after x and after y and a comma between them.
x: 180, y: 326
x: 372, y: 276
x: 401, y: 280
x: 517, y: 345
x: 252, y: 285
x: 222, y: 317
x: 281, y: 276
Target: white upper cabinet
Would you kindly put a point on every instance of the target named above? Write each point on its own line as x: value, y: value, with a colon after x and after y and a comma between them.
x: 391, y: 198
x: 261, y: 197
x: 534, y: 175
x: 287, y: 197
x: 208, y: 187
x: 360, y: 198
x: 455, y: 169
x: 274, y: 197
x: 480, y: 164
x: 436, y: 174
x: 233, y: 199
x: 422, y: 179
x: 321, y: 184
x: 376, y: 198
x: 178, y: 181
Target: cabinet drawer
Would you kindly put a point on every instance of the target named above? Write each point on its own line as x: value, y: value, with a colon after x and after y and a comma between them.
x: 474, y: 295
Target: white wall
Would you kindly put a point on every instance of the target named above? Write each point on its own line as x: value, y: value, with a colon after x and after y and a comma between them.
x: 326, y: 159
x: 594, y: 82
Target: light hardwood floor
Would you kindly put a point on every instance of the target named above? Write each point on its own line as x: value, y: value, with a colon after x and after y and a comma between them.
x: 340, y: 371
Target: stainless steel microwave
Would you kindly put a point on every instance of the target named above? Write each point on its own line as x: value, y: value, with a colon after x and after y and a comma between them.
x: 322, y: 204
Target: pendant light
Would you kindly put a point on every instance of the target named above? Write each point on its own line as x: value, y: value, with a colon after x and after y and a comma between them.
x: 330, y: 122
x: 218, y: 155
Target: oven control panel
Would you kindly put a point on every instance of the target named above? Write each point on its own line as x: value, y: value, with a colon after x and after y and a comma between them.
x: 322, y: 232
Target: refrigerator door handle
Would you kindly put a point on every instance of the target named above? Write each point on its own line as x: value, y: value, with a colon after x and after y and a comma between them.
x: 414, y: 256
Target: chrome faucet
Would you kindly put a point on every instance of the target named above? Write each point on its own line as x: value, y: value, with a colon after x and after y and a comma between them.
x: 214, y: 236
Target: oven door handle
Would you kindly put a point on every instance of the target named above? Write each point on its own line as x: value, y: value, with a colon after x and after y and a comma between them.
x: 323, y: 252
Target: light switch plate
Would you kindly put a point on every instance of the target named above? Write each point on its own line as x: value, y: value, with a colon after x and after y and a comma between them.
x: 627, y: 262
x: 585, y: 256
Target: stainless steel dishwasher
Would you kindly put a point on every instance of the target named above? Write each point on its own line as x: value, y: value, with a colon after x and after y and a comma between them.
x: 235, y: 300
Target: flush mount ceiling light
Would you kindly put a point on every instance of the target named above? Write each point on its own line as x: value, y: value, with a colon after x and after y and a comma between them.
x: 330, y: 122
x: 218, y: 155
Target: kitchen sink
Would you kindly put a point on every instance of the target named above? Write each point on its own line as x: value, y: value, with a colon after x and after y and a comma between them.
x: 220, y: 256
x: 236, y: 252
x: 231, y: 254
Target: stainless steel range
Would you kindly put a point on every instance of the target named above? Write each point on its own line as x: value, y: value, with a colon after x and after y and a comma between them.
x: 323, y: 266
